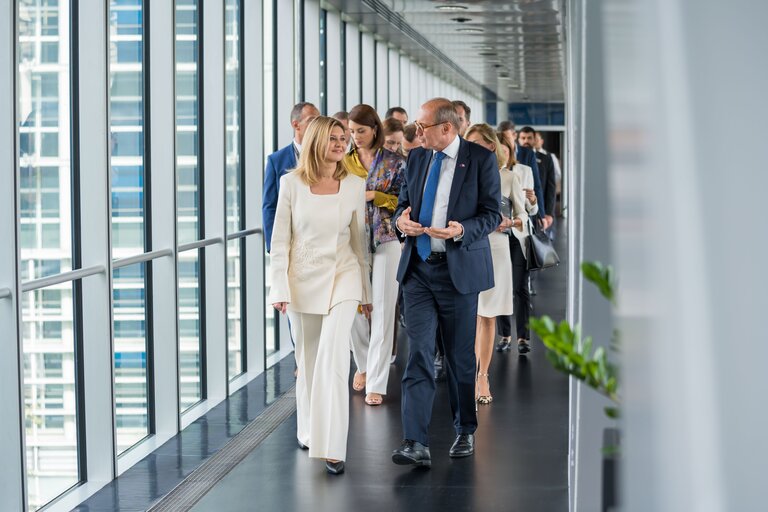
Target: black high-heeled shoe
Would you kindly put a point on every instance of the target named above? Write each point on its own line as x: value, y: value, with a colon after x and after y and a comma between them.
x: 334, y: 468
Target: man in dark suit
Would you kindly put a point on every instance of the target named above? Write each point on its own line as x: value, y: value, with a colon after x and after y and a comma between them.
x: 527, y: 139
x: 449, y: 203
x: 280, y: 162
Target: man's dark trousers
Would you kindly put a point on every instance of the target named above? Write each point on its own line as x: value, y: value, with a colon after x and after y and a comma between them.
x: 432, y: 298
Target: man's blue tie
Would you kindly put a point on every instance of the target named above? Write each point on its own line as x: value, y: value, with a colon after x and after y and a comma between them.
x: 423, y: 244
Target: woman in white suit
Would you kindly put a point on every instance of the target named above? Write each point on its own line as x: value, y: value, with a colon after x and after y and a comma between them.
x: 520, y: 273
x: 498, y: 300
x: 320, y: 274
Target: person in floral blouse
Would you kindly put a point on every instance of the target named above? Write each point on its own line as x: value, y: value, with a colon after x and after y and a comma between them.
x: 383, y: 171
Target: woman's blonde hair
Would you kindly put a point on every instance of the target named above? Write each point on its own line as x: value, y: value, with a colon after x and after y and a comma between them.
x: 489, y: 136
x: 512, y: 158
x: 314, y: 148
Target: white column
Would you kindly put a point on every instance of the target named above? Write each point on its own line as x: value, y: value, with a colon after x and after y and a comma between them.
x: 284, y: 67
x: 382, y: 77
x: 254, y: 179
x: 162, y: 171
x: 11, y: 449
x: 311, y: 64
x: 214, y: 176
x: 692, y: 274
x: 333, y: 62
x: 95, y: 234
x: 353, y: 67
x: 368, y: 50
x: 394, y: 78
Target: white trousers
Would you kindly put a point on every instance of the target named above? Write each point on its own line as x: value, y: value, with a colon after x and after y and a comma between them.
x: 322, y: 395
x: 373, y: 356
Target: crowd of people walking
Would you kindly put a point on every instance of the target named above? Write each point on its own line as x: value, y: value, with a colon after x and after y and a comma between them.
x: 364, y: 217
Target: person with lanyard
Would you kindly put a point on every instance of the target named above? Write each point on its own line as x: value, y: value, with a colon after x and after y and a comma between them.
x: 382, y: 170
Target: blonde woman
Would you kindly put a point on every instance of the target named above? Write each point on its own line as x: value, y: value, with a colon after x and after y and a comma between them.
x: 319, y: 277
x: 382, y: 170
x: 498, y: 300
x: 520, y: 273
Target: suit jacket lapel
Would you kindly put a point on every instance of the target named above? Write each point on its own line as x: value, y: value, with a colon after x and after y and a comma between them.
x: 419, y: 180
x: 459, y: 175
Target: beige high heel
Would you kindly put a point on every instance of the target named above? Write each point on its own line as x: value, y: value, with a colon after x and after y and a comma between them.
x: 484, y: 399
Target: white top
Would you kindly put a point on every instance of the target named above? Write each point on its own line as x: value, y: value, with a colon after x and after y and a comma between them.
x: 319, y: 255
x: 440, y: 210
x: 525, y: 173
x: 512, y: 188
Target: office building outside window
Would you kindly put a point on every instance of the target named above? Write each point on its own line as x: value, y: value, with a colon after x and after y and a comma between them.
x: 45, y: 243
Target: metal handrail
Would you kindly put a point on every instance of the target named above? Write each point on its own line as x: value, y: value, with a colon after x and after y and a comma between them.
x: 72, y: 275
x: 5, y: 293
x: 201, y: 243
x: 243, y: 233
x: 141, y: 258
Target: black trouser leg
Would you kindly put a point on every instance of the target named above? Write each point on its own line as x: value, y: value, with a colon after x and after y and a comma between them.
x: 521, y: 300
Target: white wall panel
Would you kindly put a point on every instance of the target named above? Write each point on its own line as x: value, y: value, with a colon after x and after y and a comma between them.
x: 382, y: 78
x: 11, y: 449
x: 285, y: 69
x: 215, y: 221
x: 353, y: 66
x: 394, y: 78
x: 368, y: 70
x: 95, y: 234
x: 333, y: 62
x: 253, y: 106
x: 311, y: 64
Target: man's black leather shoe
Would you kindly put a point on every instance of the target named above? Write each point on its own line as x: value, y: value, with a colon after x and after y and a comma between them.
x: 412, y: 453
x: 463, y: 446
x: 334, y: 468
x: 302, y: 445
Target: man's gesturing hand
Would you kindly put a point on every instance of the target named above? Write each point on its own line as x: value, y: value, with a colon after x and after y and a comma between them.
x: 407, y: 226
x: 453, y: 230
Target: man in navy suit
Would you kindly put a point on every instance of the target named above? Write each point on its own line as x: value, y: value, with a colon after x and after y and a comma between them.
x: 282, y: 161
x: 448, y: 205
x: 527, y: 139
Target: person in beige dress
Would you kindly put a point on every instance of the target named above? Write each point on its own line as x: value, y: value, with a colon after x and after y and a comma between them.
x: 320, y: 274
x: 498, y: 300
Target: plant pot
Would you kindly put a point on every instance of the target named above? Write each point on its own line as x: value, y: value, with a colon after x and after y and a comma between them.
x: 611, y: 458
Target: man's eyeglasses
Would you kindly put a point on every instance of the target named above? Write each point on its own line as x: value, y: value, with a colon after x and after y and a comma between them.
x: 422, y: 127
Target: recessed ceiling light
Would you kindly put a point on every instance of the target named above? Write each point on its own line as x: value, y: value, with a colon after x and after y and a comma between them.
x: 472, y: 30
x: 451, y: 7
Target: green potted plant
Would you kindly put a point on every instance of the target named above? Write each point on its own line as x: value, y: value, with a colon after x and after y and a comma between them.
x: 571, y: 354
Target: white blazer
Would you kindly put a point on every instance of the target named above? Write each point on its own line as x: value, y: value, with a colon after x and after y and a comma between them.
x: 319, y: 257
x: 512, y: 188
x: 525, y: 173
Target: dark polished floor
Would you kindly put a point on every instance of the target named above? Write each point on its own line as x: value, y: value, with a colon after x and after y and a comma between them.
x: 520, y: 461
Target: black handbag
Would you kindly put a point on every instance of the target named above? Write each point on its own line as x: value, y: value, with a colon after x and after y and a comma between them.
x: 539, y: 251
